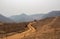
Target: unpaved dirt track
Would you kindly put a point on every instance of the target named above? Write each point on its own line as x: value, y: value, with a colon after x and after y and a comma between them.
x: 23, y: 34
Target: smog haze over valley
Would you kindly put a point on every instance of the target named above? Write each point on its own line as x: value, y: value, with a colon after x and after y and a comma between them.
x: 29, y: 19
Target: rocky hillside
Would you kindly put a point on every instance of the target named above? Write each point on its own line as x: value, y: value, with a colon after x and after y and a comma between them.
x: 48, y: 28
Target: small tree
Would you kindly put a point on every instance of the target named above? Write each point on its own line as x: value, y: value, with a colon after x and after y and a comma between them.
x: 35, y: 20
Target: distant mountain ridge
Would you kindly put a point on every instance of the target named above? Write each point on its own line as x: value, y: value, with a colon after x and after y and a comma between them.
x: 26, y: 18
x: 52, y: 14
x: 5, y: 19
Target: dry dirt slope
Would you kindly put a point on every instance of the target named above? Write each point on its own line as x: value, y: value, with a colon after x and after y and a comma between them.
x: 23, y: 34
x: 50, y: 29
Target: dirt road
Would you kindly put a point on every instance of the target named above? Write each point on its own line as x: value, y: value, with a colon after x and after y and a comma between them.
x: 23, y: 34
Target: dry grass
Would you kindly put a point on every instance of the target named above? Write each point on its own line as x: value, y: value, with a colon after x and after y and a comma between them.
x: 12, y: 28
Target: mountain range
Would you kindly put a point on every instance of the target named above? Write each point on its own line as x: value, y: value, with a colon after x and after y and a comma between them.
x: 5, y: 19
x: 27, y: 18
x: 52, y: 14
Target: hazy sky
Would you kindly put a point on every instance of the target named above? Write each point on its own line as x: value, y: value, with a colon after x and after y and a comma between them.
x: 13, y: 7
